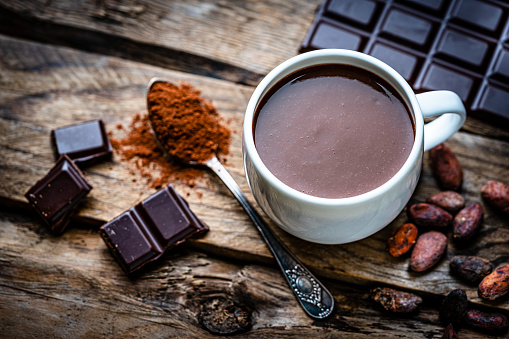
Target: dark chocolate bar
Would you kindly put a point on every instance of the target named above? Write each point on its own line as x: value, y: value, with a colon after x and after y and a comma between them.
x: 144, y: 232
x: 84, y: 143
x: 56, y: 195
x: 457, y: 45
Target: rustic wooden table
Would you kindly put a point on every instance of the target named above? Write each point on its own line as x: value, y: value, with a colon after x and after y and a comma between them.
x: 63, y: 62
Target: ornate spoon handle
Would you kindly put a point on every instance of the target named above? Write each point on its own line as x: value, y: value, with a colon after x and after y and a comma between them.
x: 310, y: 292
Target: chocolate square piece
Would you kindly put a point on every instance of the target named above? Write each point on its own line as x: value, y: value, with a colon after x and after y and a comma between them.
x: 144, y: 232
x: 331, y: 36
x: 407, y: 28
x: 84, y: 143
x: 456, y: 45
x: 56, y: 195
x: 128, y: 242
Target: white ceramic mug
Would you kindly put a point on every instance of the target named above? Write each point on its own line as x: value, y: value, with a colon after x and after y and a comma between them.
x: 337, y: 221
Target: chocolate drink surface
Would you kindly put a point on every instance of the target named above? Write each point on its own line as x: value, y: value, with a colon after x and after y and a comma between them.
x: 333, y: 131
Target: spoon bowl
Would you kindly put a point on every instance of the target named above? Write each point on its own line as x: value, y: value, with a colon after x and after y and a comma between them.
x: 167, y: 154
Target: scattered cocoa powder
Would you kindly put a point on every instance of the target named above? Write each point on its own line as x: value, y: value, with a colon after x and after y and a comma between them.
x: 141, y: 149
x: 189, y: 127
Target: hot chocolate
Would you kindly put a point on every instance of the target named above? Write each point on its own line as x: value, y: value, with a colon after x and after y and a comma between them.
x: 333, y: 131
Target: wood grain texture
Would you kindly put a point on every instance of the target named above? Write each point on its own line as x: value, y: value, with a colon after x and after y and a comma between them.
x: 229, y: 34
x: 70, y: 286
x: 72, y: 86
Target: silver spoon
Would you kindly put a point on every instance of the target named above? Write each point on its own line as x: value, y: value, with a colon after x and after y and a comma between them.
x: 314, y: 298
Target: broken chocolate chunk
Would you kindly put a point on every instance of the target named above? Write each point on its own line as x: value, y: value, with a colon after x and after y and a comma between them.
x: 144, y: 232
x: 85, y: 143
x: 56, y: 195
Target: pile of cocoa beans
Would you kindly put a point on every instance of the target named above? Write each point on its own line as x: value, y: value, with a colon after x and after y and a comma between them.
x: 425, y: 239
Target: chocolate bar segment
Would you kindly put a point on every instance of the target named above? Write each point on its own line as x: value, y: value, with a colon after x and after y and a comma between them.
x: 494, y: 99
x: 144, y: 232
x: 172, y: 225
x: 358, y: 11
x: 457, y: 45
x: 84, y: 143
x: 438, y: 76
x: 56, y: 195
x: 501, y: 68
x: 331, y: 36
x: 125, y: 237
x: 404, y: 63
x: 407, y: 28
x: 474, y: 51
x: 479, y: 13
x: 434, y: 5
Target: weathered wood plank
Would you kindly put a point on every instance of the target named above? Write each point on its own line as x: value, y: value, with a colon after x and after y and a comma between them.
x: 237, y: 41
x: 74, y: 86
x: 70, y: 286
x: 246, y: 35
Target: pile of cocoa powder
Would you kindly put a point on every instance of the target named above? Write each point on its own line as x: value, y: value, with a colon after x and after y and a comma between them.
x: 200, y: 133
x: 424, y: 237
x: 146, y: 158
x: 188, y: 127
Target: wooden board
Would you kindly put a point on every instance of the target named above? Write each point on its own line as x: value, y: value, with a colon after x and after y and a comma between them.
x: 223, y: 33
x: 73, y: 86
x: 70, y: 286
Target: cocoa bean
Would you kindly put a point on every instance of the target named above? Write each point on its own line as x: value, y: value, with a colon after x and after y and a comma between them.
x: 470, y: 268
x: 496, y: 194
x: 427, y: 251
x: 495, y: 284
x: 453, y: 308
x: 446, y: 168
x: 486, y: 322
x: 396, y: 301
x: 468, y: 221
x: 427, y: 215
x: 450, y: 201
x: 402, y: 240
x: 449, y: 333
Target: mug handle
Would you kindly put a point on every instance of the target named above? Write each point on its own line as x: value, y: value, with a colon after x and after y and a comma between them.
x: 447, y: 104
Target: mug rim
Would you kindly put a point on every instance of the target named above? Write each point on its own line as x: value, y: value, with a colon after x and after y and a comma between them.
x: 284, y: 69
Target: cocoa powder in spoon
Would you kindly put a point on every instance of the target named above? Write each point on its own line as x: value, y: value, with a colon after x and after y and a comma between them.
x: 179, y: 108
x: 187, y: 126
